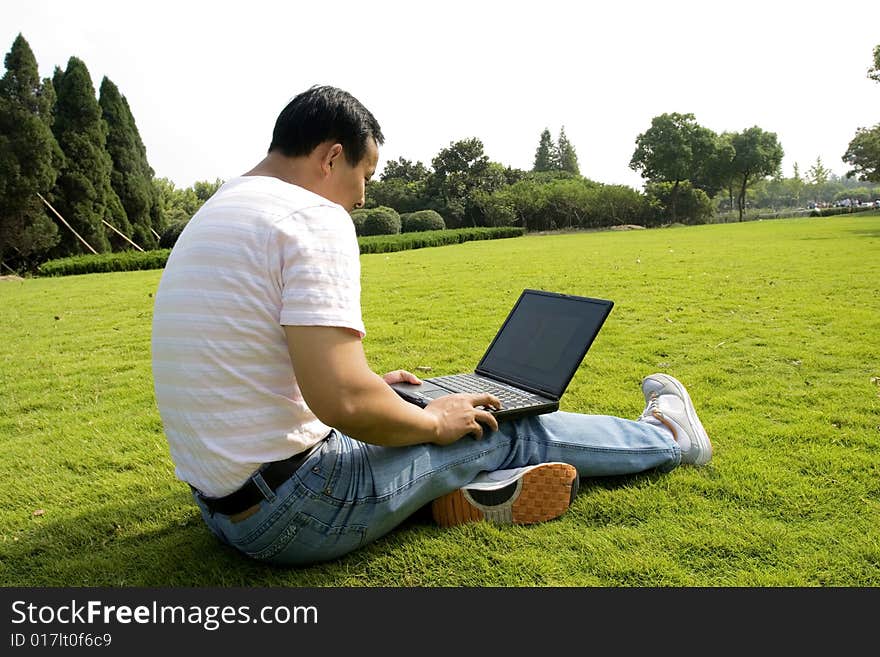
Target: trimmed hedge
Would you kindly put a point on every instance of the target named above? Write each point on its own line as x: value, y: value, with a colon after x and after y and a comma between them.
x: 105, y: 262
x: 830, y: 212
x: 405, y: 241
x: 413, y: 222
x: 134, y: 260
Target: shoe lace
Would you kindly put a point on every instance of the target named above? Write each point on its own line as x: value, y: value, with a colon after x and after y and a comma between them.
x: 652, y: 411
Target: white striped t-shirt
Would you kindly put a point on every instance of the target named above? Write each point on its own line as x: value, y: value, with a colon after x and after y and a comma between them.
x: 259, y: 255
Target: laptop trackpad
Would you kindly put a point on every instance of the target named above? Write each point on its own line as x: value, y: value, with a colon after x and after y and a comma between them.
x: 420, y: 394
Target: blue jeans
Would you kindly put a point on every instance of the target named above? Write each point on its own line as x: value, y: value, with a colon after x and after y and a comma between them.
x: 349, y: 493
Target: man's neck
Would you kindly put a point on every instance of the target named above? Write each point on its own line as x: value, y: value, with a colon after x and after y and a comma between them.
x: 293, y: 170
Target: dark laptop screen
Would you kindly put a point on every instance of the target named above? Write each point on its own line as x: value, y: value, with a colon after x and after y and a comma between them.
x: 544, y: 340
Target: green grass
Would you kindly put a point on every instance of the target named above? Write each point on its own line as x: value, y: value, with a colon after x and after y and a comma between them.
x: 773, y: 326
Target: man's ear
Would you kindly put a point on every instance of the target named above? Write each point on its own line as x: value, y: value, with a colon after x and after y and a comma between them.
x: 333, y: 155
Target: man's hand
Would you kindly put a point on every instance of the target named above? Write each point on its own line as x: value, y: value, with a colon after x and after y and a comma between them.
x: 401, y: 376
x: 340, y: 388
x: 461, y: 414
x: 457, y: 415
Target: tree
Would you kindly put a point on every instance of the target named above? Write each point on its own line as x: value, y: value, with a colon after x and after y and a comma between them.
x: 758, y: 155
x: 818, y: 174
x: 713, y: 158
x: 796, y: 185
x: 863, y: 152
x: 674, y: 149
x: 131, y: 176
x: 405, y: 170
x: 83, y: 191
x: 544, y: 156
x: 566, y: 158
x: 874, y: 71
x: 177, y: 206
x: 694, y: 206
x: 29, y: 157
x: 398, y: 194
x: 205, y: 190
x: 459, y: 171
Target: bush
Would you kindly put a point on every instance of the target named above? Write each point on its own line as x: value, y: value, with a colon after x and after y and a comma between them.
x: 358, y: 216
x: 692, y: 204
x: 830, y: 212
x: 421, y: 220
x: 405, y: 241
x: 169, y: 236
x: 552, y: 203
x: 380, y: 221
x: 133, y: 260
x: 105, y: 262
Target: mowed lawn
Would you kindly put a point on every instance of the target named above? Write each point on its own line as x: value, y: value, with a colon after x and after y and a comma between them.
x: 774, y: 327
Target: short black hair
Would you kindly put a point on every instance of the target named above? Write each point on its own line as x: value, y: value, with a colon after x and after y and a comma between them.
x: 324, y: 113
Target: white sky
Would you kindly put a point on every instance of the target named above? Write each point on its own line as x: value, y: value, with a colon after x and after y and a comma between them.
x: 206, y: 80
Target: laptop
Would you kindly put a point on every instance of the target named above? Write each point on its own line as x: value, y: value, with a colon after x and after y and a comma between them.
x: 532, y: 358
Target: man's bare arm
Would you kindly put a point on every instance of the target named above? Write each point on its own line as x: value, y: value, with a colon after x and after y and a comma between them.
x: 338, y: 385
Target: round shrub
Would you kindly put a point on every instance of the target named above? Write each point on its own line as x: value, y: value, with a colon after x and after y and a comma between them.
x: 380, y: 221
x: 358, y: 216
x: 169, y: 236
x: 413, y: 222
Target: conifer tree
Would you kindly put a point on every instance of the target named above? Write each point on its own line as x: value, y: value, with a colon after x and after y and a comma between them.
x: 544, y: 156
x: 84, y: 195
x: 131, y: 176
x: 29, y: 157
x: 566, y: 158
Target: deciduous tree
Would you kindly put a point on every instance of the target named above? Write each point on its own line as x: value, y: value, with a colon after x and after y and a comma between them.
x: 459, y: 171
x: 818, y: 173
x: 758, y: 155
x: 874, y: 71
x: 863, y: 152
x: 405, y: 170
x: 676, y: 148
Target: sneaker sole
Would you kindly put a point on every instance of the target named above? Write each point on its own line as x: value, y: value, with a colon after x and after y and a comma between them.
x: 704, y: 446
x: 541, y: 494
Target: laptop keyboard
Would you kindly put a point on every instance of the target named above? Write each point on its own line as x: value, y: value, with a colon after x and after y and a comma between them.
x: 509, y: 397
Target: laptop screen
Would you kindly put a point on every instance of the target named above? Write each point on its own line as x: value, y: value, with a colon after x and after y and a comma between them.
x: 543, y: 340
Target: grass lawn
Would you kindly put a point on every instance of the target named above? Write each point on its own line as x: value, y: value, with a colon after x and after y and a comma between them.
x: 774, y: 327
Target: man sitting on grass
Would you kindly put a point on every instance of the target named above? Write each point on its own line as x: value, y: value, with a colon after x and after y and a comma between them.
x: 295, y: 450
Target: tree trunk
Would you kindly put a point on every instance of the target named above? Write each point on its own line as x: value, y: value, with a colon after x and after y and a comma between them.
x: 741, y: 202
x: 675, y: 201
x: 730, y: 194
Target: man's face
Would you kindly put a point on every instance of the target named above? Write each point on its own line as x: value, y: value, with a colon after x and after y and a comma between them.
x: 348, y: 182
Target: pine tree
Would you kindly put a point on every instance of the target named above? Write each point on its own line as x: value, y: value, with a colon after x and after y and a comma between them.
x: 566, y: 158
x: 84, y: 195
x: 131, y: 176
x: 29, y: 157
x: 544, y: 156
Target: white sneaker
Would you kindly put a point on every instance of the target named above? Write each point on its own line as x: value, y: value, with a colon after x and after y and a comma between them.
x: 670, y: 406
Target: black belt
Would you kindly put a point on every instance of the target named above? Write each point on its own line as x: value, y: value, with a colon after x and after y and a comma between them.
x: 274, y: 474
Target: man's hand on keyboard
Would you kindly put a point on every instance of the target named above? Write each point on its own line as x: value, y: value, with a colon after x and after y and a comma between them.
x: 463, y: 414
